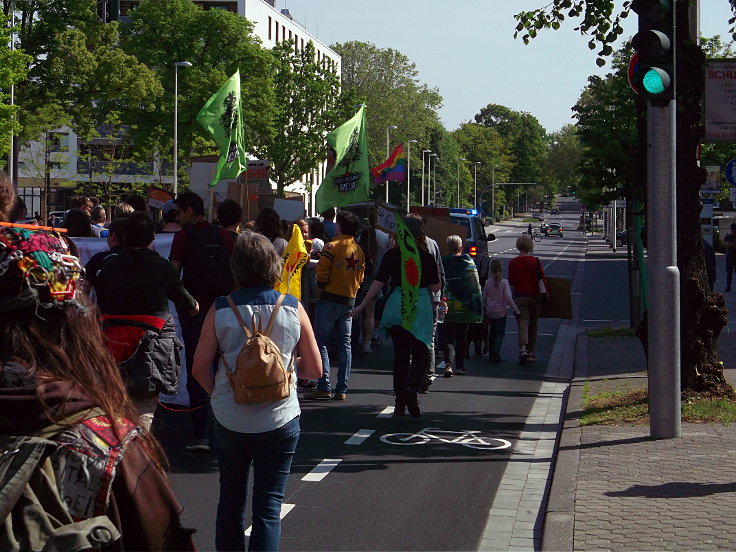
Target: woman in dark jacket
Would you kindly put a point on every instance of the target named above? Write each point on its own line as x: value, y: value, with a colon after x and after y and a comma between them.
x: 56, y: 370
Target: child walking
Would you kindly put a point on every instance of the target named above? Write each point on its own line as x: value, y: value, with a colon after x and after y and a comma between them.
x: 497, y: 298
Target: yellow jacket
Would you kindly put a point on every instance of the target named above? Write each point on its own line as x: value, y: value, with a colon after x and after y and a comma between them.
x: 340, y: 270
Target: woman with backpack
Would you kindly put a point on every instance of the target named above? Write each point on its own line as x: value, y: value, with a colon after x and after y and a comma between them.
x: 254, y: 423
x: 59, y: 381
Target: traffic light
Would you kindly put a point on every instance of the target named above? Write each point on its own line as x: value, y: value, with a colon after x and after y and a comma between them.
x: 655, y: 42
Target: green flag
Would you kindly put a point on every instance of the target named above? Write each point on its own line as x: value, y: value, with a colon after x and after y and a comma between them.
x: 221, y: 116
x: 411, y: 273
x: 349, y: 180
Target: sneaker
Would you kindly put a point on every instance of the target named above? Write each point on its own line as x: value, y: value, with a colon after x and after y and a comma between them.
x: 523, y: 357
x: 531, y: 357
x: 376, y: 339
x: 340, y: 397
x: 461, y: 370
x: 496, y: 358
x: 199, y: 445
x: 367, y: 348
x: 412, y: 404
x: 318, y: 395
x: 448, y: 372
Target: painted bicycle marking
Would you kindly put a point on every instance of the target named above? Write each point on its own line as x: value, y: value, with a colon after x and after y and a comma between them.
x: 466, y: 437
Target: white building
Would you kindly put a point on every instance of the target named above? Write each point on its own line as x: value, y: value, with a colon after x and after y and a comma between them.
x: 69, y: 161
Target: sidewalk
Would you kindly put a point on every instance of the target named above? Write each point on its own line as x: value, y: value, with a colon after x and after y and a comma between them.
x: 614, y: 488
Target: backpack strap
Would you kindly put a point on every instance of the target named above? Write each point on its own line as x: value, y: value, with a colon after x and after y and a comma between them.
x: 235, y: 310
x: 273, y: 314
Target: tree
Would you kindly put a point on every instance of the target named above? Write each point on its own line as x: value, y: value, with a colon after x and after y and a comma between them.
x: 217, y: 43
x: 485, y: 144
x: 310, y: 106
x: 12, y: 71
x: 564, y: 155
x: 606, y: 127
x: 387, y: 82
x: 526, y: 138
x: 703, y: 315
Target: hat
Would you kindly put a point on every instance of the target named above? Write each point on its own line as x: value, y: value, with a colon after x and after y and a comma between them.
x: 414, y: 225
x: 36, y: 267
x: 169, y: 206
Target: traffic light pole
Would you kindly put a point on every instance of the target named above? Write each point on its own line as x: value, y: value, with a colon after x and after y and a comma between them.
x: 663, y: 274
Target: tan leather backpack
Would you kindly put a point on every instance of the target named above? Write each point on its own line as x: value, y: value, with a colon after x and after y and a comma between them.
x: 259, y: 374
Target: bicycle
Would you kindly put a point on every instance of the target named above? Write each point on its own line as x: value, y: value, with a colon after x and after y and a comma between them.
x: 467, y: 438
x: 537, y: 237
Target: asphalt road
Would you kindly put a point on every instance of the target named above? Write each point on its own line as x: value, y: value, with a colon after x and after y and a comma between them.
x: 351, y: 490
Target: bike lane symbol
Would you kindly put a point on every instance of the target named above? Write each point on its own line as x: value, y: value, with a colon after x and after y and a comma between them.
x: 467, y: 438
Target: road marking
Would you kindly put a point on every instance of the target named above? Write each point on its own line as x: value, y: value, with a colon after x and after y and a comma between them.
x: 360, y: 436
x: 322, y: 469
x: 585, y: 320
x: 386, y: 412
x: 285, y: 509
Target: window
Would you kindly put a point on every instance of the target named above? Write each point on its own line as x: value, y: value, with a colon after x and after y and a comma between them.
x: 269, y: 27
x: 283, y: 32
x: 59, y: 141
x: 277, y: 32
x: 289, y: 35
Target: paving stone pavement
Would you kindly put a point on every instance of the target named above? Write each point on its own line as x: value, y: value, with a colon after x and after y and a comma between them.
x: 614, y: 488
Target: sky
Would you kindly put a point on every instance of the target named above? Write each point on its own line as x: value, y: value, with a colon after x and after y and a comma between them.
x: 466, y: 49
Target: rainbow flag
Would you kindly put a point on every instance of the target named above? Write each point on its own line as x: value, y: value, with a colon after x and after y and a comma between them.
x: 394, y: 168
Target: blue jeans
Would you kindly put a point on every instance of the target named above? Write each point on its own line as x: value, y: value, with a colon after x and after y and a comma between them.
x: 496, y: 331
x: 331, y: 321
x: 271, y: 454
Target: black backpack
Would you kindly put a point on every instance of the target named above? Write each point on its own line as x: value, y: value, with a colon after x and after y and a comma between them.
x: 207, y: 273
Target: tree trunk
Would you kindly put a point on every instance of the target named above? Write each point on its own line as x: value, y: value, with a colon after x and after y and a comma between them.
x: 703, y: 314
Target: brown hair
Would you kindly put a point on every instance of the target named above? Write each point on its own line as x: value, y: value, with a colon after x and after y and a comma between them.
x: 67, y: 345
x: 524, y: 243
x: 7, y: 196
x: 497, y: 270
x: 254, y: 261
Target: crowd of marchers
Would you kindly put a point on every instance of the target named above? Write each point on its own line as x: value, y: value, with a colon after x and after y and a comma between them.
x: 86, y: 351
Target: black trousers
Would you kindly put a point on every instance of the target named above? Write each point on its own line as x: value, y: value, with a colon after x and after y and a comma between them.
x: 730, y: 266
x: 191, y: 327
x: 410, y: 362
x: 456, y: 344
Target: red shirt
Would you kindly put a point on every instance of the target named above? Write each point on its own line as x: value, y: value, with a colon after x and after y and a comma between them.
x: 524, y: 275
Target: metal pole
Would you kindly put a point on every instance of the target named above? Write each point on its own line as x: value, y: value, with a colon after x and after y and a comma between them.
x: 493, y: 193
x: 388, y: 151
x: 423, y: 152
x: 408, y: 174
x: 11, y: 166
x: 475, y: 184
x: 434, y: 178
x: 176, y: 128
x: 429, y: 179
x: 458, y: 180
x: 613, y: 223
x: 663, y: 274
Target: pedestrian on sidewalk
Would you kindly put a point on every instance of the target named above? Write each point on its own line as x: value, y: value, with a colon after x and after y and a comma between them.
x: 525, y: 274
x: 464, y: 304
x: 263, y: 434
x: 411, y: 347
x: 730, y: 241
x: 497, y: 299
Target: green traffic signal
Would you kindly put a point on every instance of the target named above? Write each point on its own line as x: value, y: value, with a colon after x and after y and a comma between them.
x: 655, y: 80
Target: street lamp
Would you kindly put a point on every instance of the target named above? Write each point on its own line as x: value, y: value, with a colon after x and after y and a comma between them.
x: 423, y: 152
x: 493, y: 192
x: 408, y: 173
x: 176, y: 120
x: 434, y: 179
x: 388, y: 149
x: 475, y: 184
x: 458, y: 180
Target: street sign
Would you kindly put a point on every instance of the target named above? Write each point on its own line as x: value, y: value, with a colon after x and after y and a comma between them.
x: 633, y: 68
x: 731, y: 172
x: 719, y: 99
x: 712, y: 186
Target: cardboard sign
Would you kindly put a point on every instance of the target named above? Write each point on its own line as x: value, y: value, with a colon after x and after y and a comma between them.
x: 439, y: 230
x: 385, y: 219
x: 559, y: 304
x: 288, y: 209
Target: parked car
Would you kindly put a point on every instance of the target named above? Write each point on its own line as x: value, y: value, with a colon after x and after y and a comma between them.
x: 555, y: 229
x: 622, y: 237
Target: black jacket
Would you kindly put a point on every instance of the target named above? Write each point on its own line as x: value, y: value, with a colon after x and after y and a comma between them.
x: 140, y: 281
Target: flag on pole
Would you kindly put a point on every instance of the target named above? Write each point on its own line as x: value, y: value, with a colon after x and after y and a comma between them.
x: 348, y: 181
x: 295, y: 257
x: 394, y: 168
x: 221, y: 116
x: 411, y: 273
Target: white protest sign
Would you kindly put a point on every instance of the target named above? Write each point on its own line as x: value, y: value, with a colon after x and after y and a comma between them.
x: 289, y: 209
x: 385, y: 219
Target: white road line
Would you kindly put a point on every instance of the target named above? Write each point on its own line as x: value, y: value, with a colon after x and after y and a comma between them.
x: 386, y: 412
x: 322, y: 469
x: 285, y: 509
x: 360, y: 436
x: 586, y: 320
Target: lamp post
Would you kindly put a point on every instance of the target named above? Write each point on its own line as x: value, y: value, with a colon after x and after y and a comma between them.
x: 388, y: 149
x: 458, y: 180
x: 408, y: 173
x: 176, y: 121
x: 423, y: 152
x: 434, y: 179
x: 493, y: 192
x: 475, y: 184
